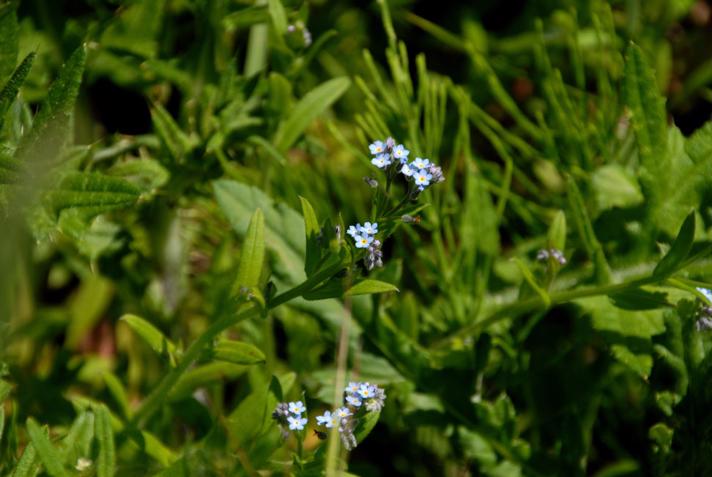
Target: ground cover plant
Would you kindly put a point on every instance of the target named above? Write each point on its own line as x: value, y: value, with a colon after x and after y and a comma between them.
x: 284, y: 237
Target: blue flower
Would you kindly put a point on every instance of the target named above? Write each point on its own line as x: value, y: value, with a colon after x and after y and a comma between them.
x: 363, y: 240
x: 342, y: 412
x: 369, y: 228
x: 706, y: 292
x: 353, y: 230
x: 401, y: 153
x: 353, y: 401
x: 420, y: 163
x: 377, y: 147
x: 422, y: 178
x: 365, y: 391
x: 296, y: 423
x: 328, y: 419
x: 297, y: 408
x: 407, y: 170
x: 352, y: 387
x: 381, y: 161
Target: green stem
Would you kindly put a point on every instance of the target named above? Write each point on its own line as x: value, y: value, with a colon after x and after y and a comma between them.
x: 536, y: 303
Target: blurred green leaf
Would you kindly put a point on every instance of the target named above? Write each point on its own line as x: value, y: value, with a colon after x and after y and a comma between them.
x: 615, y: 187
x: 312, y: 230
x: 237, y: 352
x: 48, y: 454
x: 13, y: 84
x: 639, y: 299
x: 253, y: 253
x: 9, y: 33
x: 679, y: 250
x: 106, y: 461
x: 91, y: 192
x: 152, y: 335
x: 370, y: 286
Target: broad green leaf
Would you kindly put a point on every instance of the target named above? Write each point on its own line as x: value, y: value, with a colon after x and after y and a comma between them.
x: 284, y: 227
x: 252, y: 256
x: 152, y: 335
x: 48, y: 454
x: 639, y: 299
x: 628, y: 334
x: 699, y: 145
x: 679, y: 250
x: 613, y: 187
x: 9, y: 34
x: 29, y: 464
x: 92, y: 192
x: 556, y: 238
x: 237, y: 352
x: 12, y: 86
x: 647, y: 107
x: 586, y: 233
x: 252, y: 417
x: 366, y: 425
x: 369, y: 286
x: 87, y: 306
x: 106, y: 461
x: 310, y: 107
x: 311, y: 229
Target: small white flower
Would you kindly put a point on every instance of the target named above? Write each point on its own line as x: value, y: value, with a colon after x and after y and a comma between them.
x: 297, y: 408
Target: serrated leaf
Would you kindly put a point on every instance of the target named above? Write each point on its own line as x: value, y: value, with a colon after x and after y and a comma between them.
x: 311, y: 229
x: 639, y: 299
x: 152, y: 335
x: 92, y: 192
x: 106, y: 461
x: 237, y: 352
x: 252, y: 256
x: 679, y: 250
x: 369, y: 287
x: 311, y: 106
x: 48, y: 454
x: 699, y: 145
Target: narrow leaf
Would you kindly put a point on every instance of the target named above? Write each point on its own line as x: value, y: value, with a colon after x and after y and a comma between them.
x: 639, y: 299
x: 176, y: 142
x: 556, y: 237
x: 93, y: 192
x: 529, y: 278
x: 9, y: 91
x: 106, y: 462
x: 311, y: 229
x: 29, y: 464
x: 48, y: 454
x: 253, y: 253
x: 311, y: 106
x: 237, y: 352
x: 679, y: 250
x: 279, y: 16
x: 368, y: 287
x: 586, y: 233
x: 150, y: 334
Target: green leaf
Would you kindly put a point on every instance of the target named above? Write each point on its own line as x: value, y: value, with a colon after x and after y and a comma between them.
x: 92, y: 192
x: 556, y: 238
x: 662, y: 436
x: 369, y: 287
x: 246, y: 17
x: 310, y: 107
x: 63, y: 92
x: 311, y: 229
x: 12, y: 86
x: 639, y: 299
x: 279, y: 16
x: 152, y: 335
x: 9, y: 34
x: 699, y: 145
x: 284, y: 227
x: 176, y: 142
x: 366, y: 425
x: 679, y: 250
x: 77, y: 442
x: 87, y: 306
x: 647, y: 107
x: 205, y: 375
x: 29, y: 464
x: 586, y: 233
x: 253, y: 253
x: 532, y: 282
x: 613, y: 187
x: 48, y: 454
x: 237, y: 352
x: 106, y: 461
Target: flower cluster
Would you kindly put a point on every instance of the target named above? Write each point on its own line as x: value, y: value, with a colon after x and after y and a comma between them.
x: 421, y: 171
x: 704, y: 322
x: 365, y: 237
x: 289, y: 416
x: 359, y: 398
x: 552, y: 253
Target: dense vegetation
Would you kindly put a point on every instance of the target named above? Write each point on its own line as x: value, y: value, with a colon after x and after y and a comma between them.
x: 215, y: 215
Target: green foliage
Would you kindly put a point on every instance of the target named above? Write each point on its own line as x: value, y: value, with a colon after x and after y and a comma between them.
x: 176, y: 184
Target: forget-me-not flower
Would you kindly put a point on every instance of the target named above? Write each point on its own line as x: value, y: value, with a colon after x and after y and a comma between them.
x: 422, y: 179
x: 327, y: 420
x: 377, y: 147
x: 297, y: 408
x: 353, y: 401
x: 352, y: 231
x: 365, y: 390
x: 381, y: 161
x: 420, y: 163
x: 370, y: 228
x: 406, y: 170
x: 363, y: 240
x: 401, y: 153
x: 342, y: 412
x: 296, y: 423
x: 706, y: 292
